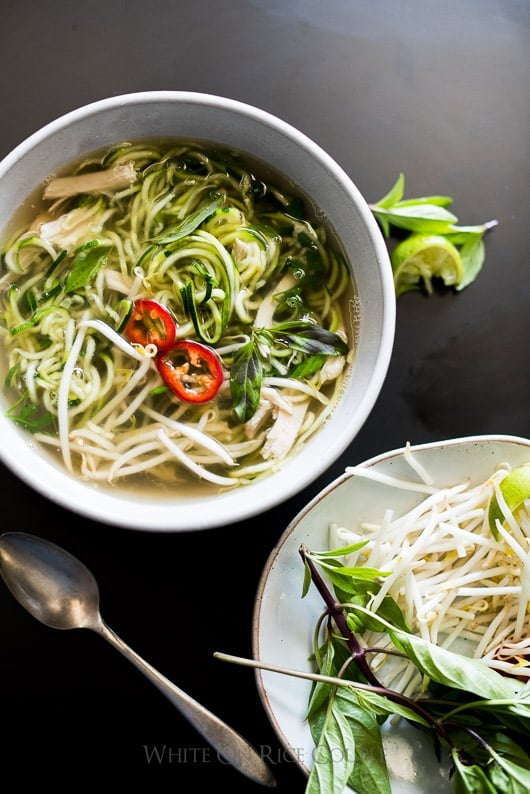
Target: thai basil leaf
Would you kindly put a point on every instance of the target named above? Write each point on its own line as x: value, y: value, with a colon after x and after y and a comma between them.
x: 358, y: 585
x: 425, y: 218
x: 423, y: 214
x: 452, y: 669
x: 360, y: 620
x: 246, y: 377
x: 88, y: 259
x: 515, y: 769
x: 370, y: 772
x: 430, y: 215
x: 309, y: 366
x: 189, y: 224
x: 505, y: 746
x: 437, y: 201
x: 394, y: 195
x: 455, y: 670
x: 307, y: 580
x: 470, y: 778
x: 321, y: 692
x: 379, y: 704
x: 309, y: 338
x: 337, y: 573
x: 473, y: 254
x: 319, y: 555
x: 334, y: 755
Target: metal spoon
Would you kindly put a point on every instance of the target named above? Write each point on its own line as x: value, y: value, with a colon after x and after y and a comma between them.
x: 57, y: 589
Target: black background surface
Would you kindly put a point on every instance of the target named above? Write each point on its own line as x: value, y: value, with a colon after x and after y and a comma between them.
x: 438, y: 91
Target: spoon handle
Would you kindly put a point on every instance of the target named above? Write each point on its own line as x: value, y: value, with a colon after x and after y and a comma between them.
x: 230, y: 745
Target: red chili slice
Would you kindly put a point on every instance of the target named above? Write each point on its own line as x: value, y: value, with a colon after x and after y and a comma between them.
x: 193, y: 371
x: 151, y: 323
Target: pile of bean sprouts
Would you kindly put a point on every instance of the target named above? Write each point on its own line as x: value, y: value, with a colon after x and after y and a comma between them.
x: 456, y: 584
x: 64, y: 353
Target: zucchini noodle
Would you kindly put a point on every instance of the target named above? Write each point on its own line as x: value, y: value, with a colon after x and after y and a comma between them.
x: 240, y: 267
x: 457, y: 585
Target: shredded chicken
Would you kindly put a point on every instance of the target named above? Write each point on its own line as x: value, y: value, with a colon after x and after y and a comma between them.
x: 107, y: 181
x: 74, y: 228
x: 253, y: 424
x: 284, y: 431
x: 332, y: 368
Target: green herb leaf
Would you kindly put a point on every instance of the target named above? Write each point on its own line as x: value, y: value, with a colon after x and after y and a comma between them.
x: 512, y: 766
x: 382, y: 705
x: 473, y: 253
x: 425, y: 218
x: 307, y: 580
x: 309, y: 338
x: 354, y: 575
x: 430, y: 215
x: 470, y: 778
x: 338, y: 553
x: 334, y: 755
x: 246, y: 376
x: 190, y: 223
x: 88, y: 259
x: 308, y: 366
x: 370, y: 772
x: 453, y: 669
x: 394, y: 195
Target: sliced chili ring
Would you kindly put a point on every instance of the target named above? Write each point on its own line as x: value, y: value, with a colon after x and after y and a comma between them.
x: 150, y: 323
x: 193, y: 371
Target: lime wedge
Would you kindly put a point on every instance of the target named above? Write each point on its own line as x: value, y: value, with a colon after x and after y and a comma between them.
x: 421, y: 257
x: 515, y: 488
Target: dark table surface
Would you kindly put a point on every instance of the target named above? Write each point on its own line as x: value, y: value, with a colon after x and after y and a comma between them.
x: 438, y: 91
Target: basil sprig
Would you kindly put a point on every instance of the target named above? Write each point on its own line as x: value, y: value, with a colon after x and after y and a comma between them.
x: 480, y: 717
x: 314, y: 343
x: 431, y: 215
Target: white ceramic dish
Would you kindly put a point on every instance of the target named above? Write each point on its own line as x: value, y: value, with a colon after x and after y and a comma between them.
x: 284, y: 622
x: 247, y: 129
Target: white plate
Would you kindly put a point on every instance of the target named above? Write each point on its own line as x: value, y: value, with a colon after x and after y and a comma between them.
x: 284, y: 622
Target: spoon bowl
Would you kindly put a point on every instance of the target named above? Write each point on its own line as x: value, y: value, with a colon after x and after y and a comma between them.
x: 59, y: 591
x: 53, y: 585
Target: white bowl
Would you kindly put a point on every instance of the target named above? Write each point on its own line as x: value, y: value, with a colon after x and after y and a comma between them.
x: 271, y: 140
x: 284, y: 622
